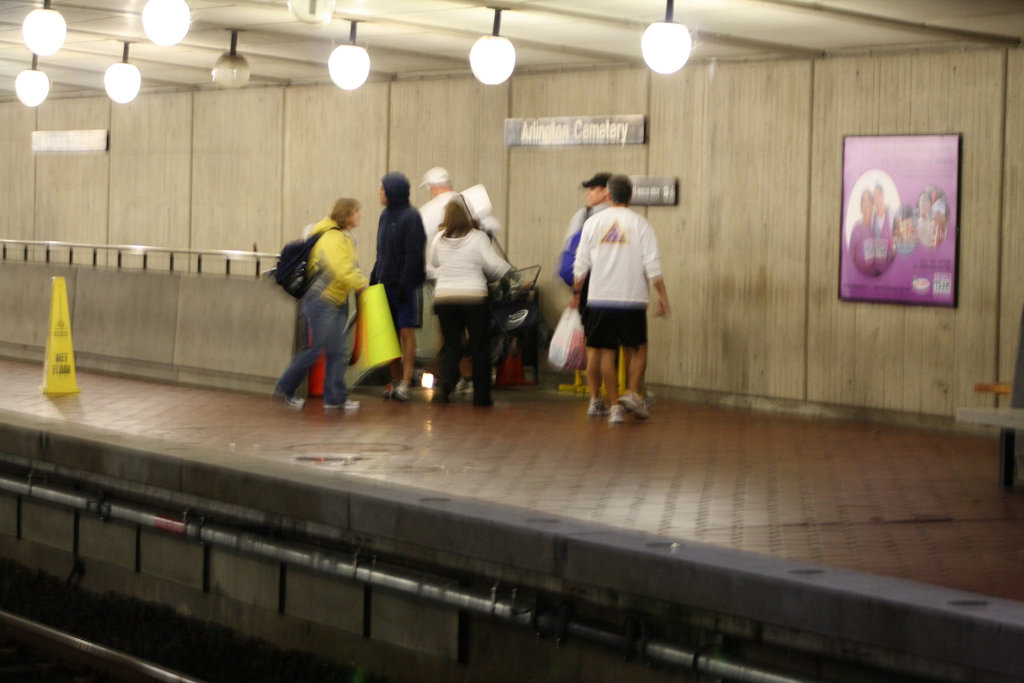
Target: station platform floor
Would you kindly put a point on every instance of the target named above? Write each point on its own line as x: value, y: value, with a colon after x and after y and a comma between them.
x: 909, y: 502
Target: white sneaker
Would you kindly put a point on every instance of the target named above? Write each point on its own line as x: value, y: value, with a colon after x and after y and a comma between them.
x: 597, y: 408
x: 464, y: 387
x: 616, y: 415
x: 635, y: 404
x: 293, y: 402
x: 347, y: 405
x: 400, y: 391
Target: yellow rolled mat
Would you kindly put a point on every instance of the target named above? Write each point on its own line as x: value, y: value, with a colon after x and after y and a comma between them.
x: 376, y: 340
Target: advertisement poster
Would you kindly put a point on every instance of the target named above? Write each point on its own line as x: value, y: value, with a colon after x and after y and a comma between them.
x: 899, y: 219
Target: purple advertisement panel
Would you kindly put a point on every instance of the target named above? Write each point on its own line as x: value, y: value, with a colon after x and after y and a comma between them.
x: 899, y: 220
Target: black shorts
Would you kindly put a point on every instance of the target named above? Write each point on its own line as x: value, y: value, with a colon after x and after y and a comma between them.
x: 610, y: 328
x: 408, y: 313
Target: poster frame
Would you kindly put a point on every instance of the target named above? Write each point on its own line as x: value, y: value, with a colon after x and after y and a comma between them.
x: 877, y: 159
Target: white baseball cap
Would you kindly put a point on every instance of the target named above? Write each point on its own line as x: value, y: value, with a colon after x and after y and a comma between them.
x: 437, y: 176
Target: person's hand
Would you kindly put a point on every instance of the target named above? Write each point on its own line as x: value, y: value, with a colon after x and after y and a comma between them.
x: 662, y: 307
x: 574, y: 300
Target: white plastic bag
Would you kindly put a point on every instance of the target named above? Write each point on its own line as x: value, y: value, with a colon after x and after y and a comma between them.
x: 568, y: 350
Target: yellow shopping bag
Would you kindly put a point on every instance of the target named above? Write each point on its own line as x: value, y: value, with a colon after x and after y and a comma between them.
x: 376, y: 341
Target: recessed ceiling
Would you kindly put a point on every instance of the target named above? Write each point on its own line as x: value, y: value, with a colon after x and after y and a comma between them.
x: 418, y: 38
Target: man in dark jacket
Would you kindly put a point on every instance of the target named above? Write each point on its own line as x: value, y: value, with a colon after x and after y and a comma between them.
x: 400, y: 268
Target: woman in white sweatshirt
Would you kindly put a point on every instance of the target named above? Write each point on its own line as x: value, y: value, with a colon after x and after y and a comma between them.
x: 464, y: 260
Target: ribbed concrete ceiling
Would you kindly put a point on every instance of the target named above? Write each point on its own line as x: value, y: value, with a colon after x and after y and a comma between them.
x: 416, y: 38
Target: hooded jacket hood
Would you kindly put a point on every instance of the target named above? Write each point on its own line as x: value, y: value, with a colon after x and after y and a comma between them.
x: 396, y: 188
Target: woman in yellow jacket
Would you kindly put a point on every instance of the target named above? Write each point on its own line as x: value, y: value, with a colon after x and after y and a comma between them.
x: 333, y: 263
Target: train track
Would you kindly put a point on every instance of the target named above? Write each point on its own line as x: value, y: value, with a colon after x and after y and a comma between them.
x: 30, y: 651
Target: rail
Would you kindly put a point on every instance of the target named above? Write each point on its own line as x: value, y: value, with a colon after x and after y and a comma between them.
x: 118, y: 255
x: 79, y: 653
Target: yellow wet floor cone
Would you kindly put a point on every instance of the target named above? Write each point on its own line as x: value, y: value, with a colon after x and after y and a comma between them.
x: 59, y: 367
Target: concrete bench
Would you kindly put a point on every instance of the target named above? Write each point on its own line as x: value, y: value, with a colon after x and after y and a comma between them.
x: 1009, y: 421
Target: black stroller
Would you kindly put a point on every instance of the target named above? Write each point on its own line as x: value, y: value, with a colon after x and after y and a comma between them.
x: 515, y: 319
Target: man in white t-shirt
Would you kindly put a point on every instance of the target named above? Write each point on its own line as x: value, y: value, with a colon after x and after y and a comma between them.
x: 619, y: 250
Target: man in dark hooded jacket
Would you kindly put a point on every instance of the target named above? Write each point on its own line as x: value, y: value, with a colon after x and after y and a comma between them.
x: 400, y: 268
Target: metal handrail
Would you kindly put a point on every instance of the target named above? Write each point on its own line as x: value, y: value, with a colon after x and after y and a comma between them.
x: 229, y: 255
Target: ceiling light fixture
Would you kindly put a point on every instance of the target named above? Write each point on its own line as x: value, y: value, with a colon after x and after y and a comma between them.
x: 349, y: 64
x: 44, y: 30
x: 493, y: 57
x: 122, y: 80
x: 166, y: 22
x: 313, y: 11
x: 32, y: 86
x: 666, y: 45
x: 232, y: 69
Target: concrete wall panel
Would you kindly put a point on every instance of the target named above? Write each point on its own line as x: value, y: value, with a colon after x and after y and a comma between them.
x: 129, y: 315
x: 151, y: 172
x: 8, y: 516
x: 17, y: 171
x: 47, y: 525
x: 242, y: 326
x: 108, y: 542
x: 414, y: 625
x: 26, y: 291
x: 1011, y: 289
x: 72, y: 188
x: 237, y: 169
x: 171, y: 558
x: 325, y: 600
x: 733, y: 251
x: 335, y: 145
x: 249, y: 580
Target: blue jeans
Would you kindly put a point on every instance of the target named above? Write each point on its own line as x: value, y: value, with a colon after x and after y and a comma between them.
x: 327, y: 326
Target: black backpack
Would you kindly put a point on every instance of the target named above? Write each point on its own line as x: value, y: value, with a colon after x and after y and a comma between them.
x: 290, y: 272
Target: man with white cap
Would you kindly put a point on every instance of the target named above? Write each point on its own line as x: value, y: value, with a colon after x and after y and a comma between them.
x: 439, y: 182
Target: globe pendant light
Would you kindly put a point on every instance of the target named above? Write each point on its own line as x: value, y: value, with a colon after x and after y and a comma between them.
x: 313, y: 11
x: 232, y: 69
x: 122, y: 80
x: 44, y: 30
x: 349, y: 64
x: 32, y: 86
x: 166, y: 22
x: 493, y: 57
x: 666, y: 45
